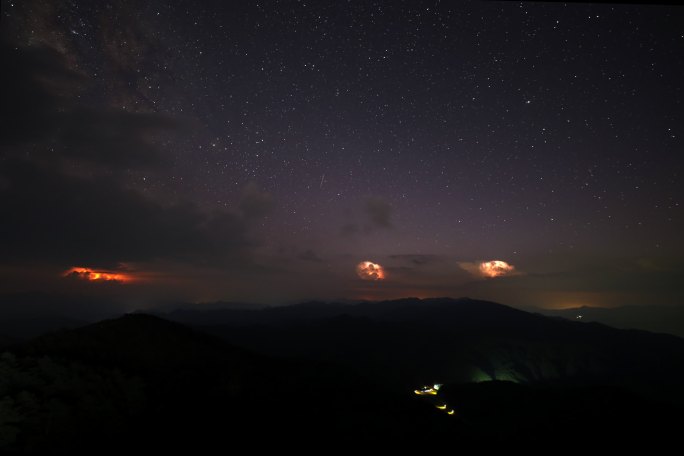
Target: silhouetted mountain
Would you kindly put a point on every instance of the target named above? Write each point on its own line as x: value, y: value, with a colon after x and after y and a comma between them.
x: 157, y: 384
x: 199, y: 315
x: 339, y: 375
x: 192, y: 308
x: 411, y: 341
x: 138, y: 341
x: 661, y: 319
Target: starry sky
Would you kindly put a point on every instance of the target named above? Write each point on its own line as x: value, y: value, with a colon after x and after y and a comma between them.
x: 260, y: 151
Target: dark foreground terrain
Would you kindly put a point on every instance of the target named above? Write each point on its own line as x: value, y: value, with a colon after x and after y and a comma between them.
x: 340, y: 376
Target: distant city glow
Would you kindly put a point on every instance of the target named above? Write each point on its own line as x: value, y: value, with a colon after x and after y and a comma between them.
x: 91, y: 275
x: 367, y: 270
x: 496, y: 268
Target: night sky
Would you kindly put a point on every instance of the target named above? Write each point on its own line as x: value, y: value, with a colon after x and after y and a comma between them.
x: 260, y: 151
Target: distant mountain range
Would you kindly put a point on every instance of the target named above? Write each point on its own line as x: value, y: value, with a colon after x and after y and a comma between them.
x: 661, y: 319
x: 341, y: 374
x: 409, y: 341
x: 653, y: 318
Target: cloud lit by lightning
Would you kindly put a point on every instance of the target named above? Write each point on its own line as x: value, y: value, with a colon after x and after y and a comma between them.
x: 91, y: 275
x: 489, y: 269
x: 367, y: 270
x: 496, y: 268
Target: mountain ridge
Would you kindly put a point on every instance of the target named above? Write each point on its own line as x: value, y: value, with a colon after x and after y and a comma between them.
x: 145, y: 381
x: 456, y: 340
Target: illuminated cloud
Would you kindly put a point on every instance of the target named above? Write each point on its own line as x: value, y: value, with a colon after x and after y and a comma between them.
x: 90, y: 275
x: 495, y: 268
x: 492, y: 268
x: 368, y: 270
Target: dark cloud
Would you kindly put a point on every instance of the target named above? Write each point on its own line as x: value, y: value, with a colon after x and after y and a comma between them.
x: 255, y: 203
x: 35, y: 86
x: 81, y: 221
x: 418, y: 259
x: 53, y: 212
x: 114, y: 138
x: 379, y: 212
x: 349, y: 229
x: 310, y: 255
x: 42, y: 110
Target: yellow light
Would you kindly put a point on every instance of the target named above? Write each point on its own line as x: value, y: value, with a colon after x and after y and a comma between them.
x: 442, y: 407
x: 425, y: 391
x: 450, y: 412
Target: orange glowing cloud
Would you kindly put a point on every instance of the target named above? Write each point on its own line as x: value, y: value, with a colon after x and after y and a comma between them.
x: 91, y: 275
x: 367, y: 270
x: 495, y: 268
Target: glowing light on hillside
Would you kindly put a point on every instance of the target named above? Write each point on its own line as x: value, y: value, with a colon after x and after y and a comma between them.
x: 495, y: 268
x: 91, y: 275
x: 427, y: 391
x: 367, y: 270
